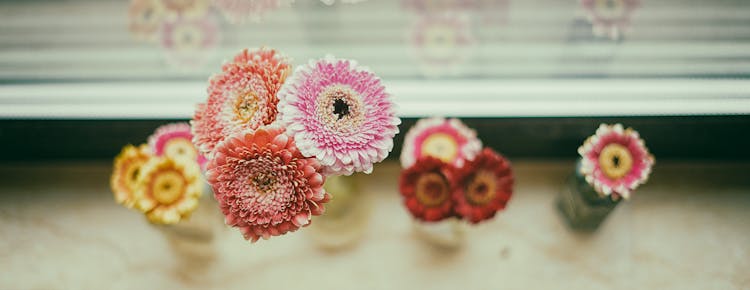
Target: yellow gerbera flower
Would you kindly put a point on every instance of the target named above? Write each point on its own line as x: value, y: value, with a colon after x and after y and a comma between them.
x: 127, y: 167
x: 168, y: 189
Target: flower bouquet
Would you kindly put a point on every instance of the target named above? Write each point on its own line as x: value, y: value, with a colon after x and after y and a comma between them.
x: 272, y: 137
x: 613, y: 163
x: 448, y: 178
x: 162, y: 180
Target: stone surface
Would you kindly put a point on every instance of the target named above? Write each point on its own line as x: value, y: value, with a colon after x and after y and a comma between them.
x: 688, y: 228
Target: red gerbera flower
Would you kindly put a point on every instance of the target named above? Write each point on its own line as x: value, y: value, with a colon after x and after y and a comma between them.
x: 265, y: 187
x: 426, y: 188
x: 484, y: 186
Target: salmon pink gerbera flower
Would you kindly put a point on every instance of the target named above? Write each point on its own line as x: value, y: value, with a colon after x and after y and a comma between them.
x: 426, y: 189
x: 339, y: 113
x: 242, y: 97
x: 175, y: 141
x: 265, y: 187
x: 615, y: 161
x: 446, y: 139
x: 484, y: 186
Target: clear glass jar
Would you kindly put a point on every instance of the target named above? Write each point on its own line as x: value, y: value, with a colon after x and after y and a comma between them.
x: 346, y: 217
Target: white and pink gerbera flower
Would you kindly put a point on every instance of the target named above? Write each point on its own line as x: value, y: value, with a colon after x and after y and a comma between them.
x: 263, y: 184
x: 615, y: 161
x: 339, y: 113
x: 175, y: 141
x: 243, y: 97
x: 446, y: 139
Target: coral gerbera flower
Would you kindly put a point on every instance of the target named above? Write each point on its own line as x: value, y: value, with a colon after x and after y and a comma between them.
x: 447, y: 139
x: 168, y: 189
x: 339, y: 113
x: 609, y: 17
x: 265, y: 187
x: 615, y: 161
x: 175, y: 141
x: 124, y: 178
x: 243, y: 97
x: 426, y: 188
x: 484, y: 186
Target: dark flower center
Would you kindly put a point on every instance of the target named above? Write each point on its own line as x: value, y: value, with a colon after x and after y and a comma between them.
x: 481, y: 188
x: 432, y: 189
x: 263, y: 182
x: 340, y: 108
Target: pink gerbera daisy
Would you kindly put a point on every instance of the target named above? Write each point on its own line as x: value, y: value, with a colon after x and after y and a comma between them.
x: 615, y: 161
x: 265, y: 187
x: 610, y: 17
x: 339, y: 113
x: 242, y: 97
x: 446, y: 139
x: 175, y: 141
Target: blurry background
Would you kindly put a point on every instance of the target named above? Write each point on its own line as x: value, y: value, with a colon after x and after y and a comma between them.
x: 670, y: 68
x: 81, y: 78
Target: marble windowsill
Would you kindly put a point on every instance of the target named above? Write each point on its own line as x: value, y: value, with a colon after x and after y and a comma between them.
x: 687, y: 229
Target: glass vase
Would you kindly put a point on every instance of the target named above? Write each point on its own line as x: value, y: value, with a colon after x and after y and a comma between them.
x: 581, y: 206
x: 346, y: 217
x: 449, y: 234
x: 192, y: 241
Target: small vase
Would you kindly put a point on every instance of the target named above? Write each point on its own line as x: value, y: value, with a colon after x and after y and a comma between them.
x: 581, y: 206
x: 193, y: 240
x: 448, y: 234
x: 344, y: 222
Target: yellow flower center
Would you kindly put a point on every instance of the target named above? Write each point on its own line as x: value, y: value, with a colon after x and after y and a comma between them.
x: 440, y: 145
x: 615, y: 161
x: 432, y: 189
x: 246, y: 106
x: 168, y: 187
x: 482, y: 188
x: 180, y: 148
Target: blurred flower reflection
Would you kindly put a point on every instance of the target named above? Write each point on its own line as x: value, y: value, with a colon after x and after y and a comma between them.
x: 610, y: 18
x: 442, y: 43
x: 186, y: 30
x: 239, y: 11
x: 145, y: 18
x: 189, y: 43
x: 443, y: 36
